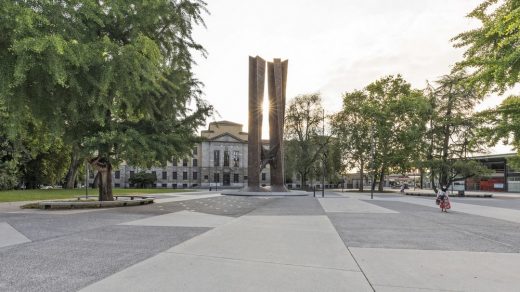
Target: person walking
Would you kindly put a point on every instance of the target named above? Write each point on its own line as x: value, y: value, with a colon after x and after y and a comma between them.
x: 443, y: 199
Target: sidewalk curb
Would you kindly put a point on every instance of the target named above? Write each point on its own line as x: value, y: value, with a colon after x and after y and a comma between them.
x: 460, y: 196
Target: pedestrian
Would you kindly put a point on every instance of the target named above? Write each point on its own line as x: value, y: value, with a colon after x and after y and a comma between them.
x: 443, y: 199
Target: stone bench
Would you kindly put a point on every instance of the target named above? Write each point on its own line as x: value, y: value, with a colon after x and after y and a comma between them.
x: 134, y: 201
x: 470, y: 195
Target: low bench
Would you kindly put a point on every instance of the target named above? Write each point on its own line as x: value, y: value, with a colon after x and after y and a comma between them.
x: 116, y: 197
x: 134, y: 201
x: 458, y: 194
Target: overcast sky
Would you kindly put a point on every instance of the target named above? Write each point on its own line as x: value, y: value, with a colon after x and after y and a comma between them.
x: 332, y: 46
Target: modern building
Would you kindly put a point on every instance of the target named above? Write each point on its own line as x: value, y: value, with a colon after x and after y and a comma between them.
x: 503, y: 179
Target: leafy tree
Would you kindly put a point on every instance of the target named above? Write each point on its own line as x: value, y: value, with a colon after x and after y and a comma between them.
x: 493, y: 55
x: 113, y: 78
x: 503, y: 124
x: 29, y: 157
x: 333, y: 162
x: 453, y: 131
x: 351, y: 128
x: 143, y: 179
x: 304, y: 139
x: 492, y: 51
x: 391, y: 112
x: 47, y: 166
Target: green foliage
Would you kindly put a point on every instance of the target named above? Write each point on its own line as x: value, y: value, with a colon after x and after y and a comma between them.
x: 463, y: 169
x: 391, y: 112
x: 143, y: 179
x: 304, y: 139
x: 112, y: 78
x: 452, y: 132
x: 48, y: 167
x: 351, y: 128
x: 492, y: 50
x: 503, y: 124
x: 8, y: 173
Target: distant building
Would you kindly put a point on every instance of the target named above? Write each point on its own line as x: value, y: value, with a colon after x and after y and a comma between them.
x: 503, y: 179
x: 220, y: 160
x: 224, y: 156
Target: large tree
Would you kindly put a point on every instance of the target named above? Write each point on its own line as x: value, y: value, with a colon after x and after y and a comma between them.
x: 452, y: 132
x: 502, y: 123
x: 352, y: 131
x: 304, y: 139
x: 113, y: 78
x: 387, y: 116
x: 493, y: 55
x: 492, y: 50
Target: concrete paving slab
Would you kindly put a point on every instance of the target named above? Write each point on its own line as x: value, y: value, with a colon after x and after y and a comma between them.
x: 10, y: 236
x: 486, y: 211
x: 68, y: 263
x: 407, y: 289
x: 186, y: 197
x: 290, y: 206
x: 347, y: 205
x: 439, y: 270
x: 182, y: 218
x: 294, y: 240
x: 178, y: 272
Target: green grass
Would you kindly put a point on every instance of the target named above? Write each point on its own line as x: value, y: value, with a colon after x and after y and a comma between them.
x: 37, y: 195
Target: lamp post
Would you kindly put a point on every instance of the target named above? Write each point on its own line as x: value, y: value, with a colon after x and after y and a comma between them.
x: 86, y: 180
x: 372, y: 154
x: 324, y: 156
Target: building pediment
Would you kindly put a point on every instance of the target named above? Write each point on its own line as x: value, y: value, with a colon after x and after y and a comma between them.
x: 226, y: 137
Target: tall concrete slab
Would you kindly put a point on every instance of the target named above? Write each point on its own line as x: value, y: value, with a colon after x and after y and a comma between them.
x: 256, y: 98
x: 277, y: 80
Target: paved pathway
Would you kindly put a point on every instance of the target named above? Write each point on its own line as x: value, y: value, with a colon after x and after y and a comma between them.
x: 207, y: 242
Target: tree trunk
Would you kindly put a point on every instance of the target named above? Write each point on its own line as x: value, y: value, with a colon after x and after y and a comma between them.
x: 95, y: 182
x: 361, y: 175
x: 443, y: 176
x: 303, y: 179
x: 421, y: 177
x: 381, y: 179
x: 70, y: 178
x: 432, y: 180
x: 104, y: 168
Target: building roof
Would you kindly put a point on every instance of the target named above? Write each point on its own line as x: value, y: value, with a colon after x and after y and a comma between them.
x: 490, y: 156
x: 226, y: 134
x: 225, y: 123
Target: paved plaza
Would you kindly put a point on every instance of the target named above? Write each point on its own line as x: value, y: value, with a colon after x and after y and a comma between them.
x: 204, y: 241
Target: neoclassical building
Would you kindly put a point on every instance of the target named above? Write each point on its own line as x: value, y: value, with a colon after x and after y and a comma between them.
x: 219, y: 161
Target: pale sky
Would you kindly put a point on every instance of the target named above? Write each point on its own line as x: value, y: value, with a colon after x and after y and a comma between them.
x: 333, y: 46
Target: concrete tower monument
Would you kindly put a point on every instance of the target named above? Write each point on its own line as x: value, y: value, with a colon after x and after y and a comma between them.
x: 259, y: 157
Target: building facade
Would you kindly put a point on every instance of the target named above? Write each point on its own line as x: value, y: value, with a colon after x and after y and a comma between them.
x: 219, y: 161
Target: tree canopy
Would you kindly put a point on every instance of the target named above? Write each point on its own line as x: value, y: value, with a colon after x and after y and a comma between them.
x: 492, y: 50
x: 391, y: 112
x: 453, y: 131
x: 305, y: 141
x: 113, y: 78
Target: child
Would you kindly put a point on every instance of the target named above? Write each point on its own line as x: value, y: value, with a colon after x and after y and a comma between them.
x: 442, y: 196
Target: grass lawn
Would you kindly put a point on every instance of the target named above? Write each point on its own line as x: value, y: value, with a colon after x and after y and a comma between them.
x: 37, y: 195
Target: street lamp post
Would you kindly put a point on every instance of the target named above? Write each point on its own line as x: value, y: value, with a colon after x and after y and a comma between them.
x: 86, y: 180
x: 324, y: 156
x: 372, y: 154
